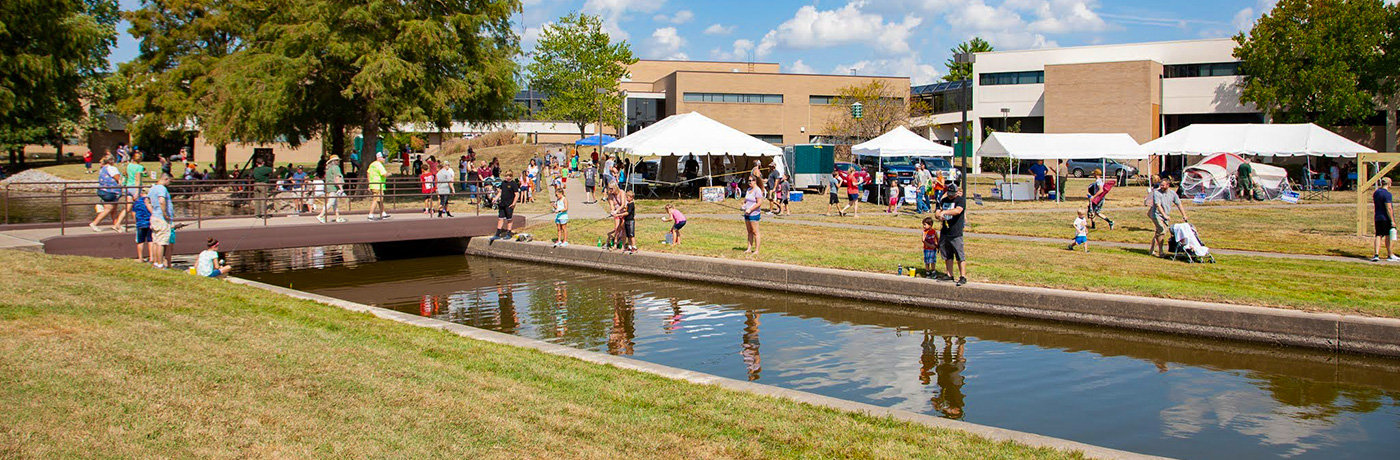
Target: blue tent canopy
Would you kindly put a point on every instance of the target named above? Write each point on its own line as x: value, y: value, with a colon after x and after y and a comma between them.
x: 593, y: 140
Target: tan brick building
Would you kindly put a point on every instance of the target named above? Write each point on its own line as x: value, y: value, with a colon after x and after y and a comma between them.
x: 756, y: 98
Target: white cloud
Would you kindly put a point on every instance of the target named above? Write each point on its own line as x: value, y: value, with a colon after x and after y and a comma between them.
x: 741, y: 50
x: 1066, y: 16
x: 681, y: 17
x: 531, y: 37
x: 800, y: 67
x: 919, y: 73
x: 719, y: 29
x: 666, y: 43
x: 813, y: 28
x: 614, y: 12
x: 1246, y: 17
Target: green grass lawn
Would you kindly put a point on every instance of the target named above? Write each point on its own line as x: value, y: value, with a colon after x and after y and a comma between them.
x: 1343, y: 287
x: 113, y: 359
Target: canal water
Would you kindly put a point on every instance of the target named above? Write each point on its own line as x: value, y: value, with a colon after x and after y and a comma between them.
x: 1148, y: 393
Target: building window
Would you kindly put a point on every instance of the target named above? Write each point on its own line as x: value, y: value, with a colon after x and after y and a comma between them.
x: 1013, y: 78
x: 1214, y: 69
x: 770, y: 138
x: 821, y: 100
x: 735, y: 98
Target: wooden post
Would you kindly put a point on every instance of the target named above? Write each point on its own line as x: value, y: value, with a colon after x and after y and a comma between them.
x: 1363, y: 183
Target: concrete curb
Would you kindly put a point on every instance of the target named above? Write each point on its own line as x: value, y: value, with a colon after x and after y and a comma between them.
x: 1328, y: 331
x: 993, y: 433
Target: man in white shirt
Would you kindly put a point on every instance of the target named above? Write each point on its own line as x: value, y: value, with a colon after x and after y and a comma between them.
x: 444, y: 179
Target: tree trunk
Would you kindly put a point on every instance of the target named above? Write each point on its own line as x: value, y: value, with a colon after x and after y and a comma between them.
x: 220, y: 160
x: 58, y: 149
x: 1390, y: 123
x: 338, y: 141
x: 371, y: 137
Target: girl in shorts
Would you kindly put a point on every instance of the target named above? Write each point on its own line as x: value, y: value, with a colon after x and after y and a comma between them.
x: 561, y: 218
x: 677, y: 219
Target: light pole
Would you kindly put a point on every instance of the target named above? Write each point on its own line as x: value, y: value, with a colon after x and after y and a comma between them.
x: 1004, y: 112
x: 969, y: 59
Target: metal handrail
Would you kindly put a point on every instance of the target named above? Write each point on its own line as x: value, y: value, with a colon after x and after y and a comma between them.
x: 197, y: 194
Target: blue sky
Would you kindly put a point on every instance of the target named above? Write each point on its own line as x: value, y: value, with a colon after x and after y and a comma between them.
x: 873, y: 37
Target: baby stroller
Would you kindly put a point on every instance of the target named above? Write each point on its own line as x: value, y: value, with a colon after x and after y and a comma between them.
x: 1186, y: 242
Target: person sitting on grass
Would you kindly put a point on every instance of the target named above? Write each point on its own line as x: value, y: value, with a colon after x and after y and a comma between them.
x: 1081, y: 232
x: 208, y: 263
x: 674, y: 215
x: 561, y: 218
x: 930, y: 241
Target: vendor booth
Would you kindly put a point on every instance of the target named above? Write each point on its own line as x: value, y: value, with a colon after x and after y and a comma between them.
x: 1259, y: 140
x: 1054, y: 147
x: 902, y: 144
x: 692, y: 136
x: 1219, y: 177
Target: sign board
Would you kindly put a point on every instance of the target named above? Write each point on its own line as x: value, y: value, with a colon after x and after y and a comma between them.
x: 1199, y: 199
x: 1289, y: 197
x: 712, y: 194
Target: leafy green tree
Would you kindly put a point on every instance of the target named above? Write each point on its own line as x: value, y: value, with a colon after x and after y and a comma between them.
x: 1321, y: 61
x: 963, y: 71
x: 579, y: 67
x: 170, y: 80
x: 883, y: 107
x: 51, y: 53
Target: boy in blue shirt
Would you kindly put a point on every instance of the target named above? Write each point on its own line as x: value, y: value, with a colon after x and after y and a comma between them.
x: 143, y: 227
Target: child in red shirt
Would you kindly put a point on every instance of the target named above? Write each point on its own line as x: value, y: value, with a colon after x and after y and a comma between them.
x: 930, y: 247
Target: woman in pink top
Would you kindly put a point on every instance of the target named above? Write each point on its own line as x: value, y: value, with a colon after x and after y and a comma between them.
x: 674, y: 215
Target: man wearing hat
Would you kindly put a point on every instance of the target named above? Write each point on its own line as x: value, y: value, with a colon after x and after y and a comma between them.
x: 951, y: 211
x: 376, y: 176
x: 334, y: 179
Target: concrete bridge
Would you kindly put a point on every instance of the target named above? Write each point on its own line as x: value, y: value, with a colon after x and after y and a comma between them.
x: 244, y: 234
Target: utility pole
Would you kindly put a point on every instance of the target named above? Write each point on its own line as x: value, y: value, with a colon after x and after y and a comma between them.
x: 966, y: 130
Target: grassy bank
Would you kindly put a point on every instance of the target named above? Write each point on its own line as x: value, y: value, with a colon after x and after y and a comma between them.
x: 1343, y: 287
x: 112, y: 359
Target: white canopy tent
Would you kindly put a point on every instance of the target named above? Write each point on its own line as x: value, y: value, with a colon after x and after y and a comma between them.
x: 1279, y: 140
x: 694, y: 134
x: 1036, y: 146
x: 1271, y: 140
x: 1068, y: 146
x: 901, y: 142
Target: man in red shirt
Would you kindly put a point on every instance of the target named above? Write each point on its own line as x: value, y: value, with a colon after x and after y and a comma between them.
x: 853, y: 181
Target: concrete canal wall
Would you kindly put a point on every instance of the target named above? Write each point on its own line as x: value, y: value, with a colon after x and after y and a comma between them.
x: 1329, y: 331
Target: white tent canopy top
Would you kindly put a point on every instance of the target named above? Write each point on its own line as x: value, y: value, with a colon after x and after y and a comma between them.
x: 1037, y: 146
x: 900, y: 142
x: 1280, y: 140
x: 691, y: 134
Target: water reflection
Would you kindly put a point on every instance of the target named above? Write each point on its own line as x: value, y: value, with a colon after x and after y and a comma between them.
x: 1147, y: 393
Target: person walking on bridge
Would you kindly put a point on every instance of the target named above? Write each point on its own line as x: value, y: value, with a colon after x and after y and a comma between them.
x: 376, y: 176
x: 507, y: 195
x: 162, y: 221
x: 443, y: 185
x: 334, y: 186
x: 262, y: 186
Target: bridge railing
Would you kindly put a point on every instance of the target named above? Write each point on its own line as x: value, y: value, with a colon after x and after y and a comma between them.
x: 197, y: 201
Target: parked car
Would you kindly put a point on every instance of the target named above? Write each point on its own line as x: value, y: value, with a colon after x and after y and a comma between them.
x: 1083, y: 167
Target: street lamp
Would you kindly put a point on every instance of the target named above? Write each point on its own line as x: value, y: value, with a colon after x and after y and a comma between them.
x: 969, y: 59
x: 1004, y: 112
